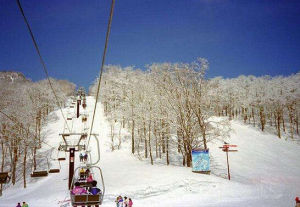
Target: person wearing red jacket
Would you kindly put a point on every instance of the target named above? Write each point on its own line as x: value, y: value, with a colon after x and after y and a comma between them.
x: 297, y: 202
x: 130, y: 203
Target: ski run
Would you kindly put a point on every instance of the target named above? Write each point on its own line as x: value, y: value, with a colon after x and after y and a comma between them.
x: 264, y: 172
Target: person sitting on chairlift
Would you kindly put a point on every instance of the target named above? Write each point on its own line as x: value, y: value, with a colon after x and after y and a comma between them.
x: 87, y: 172
x: 85, y: 157
x: 77, y: 190
x: 89, y: 178
x: 82, y: 174
x: 94, y: 190
x: 81, y: 157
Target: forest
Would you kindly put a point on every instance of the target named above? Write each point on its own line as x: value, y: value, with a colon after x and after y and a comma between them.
x: 171, y: 108
x: 167, y: 110
x: 24, y: 107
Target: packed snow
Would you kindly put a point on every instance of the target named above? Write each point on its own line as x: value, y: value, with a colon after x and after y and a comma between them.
x: 264, y: 172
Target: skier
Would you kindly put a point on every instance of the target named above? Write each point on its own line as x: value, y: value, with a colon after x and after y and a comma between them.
x: 87, y: 172
x: 81, y: 157
x: 297, y: 202
x: 126, y: 202
x: 130, y: 203
x: 81, y: 174
x: 77, y: 190
x: 19, y: 205
x: 85, y: 157
x: 119, y: 201
x: 94, y: 190
x: 90, y: 178
x: 25, y: 204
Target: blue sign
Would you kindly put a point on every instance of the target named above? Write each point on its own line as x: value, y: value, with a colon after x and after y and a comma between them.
x: 200, y: 160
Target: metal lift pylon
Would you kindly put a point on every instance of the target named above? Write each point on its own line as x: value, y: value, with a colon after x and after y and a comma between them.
x: 72, y: 148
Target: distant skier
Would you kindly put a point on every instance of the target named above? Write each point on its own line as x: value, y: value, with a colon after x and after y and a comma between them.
x: 25, y: 204
x: 297, y: 202
x: 19, y: 205
x: 81, y: 157
x: 85, y: 157
x: 130, y: 203
x: 126, y: 202
x: 119, y: 201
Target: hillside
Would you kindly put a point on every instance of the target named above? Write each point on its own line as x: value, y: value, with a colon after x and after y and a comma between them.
x: 12, y: 76
x: 264, y: 172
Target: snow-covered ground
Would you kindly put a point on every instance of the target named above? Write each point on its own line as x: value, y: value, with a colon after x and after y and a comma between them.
x: 264, y: 172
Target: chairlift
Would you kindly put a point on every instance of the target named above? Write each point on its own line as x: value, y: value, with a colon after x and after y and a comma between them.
x: 4, y: 178
x: 87, y: 199
x: 66, y: 145
x: 42, y: 173
x: 54, y: 170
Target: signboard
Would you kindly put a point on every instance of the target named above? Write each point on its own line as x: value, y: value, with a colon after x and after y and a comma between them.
x: 225, y: 148
x: 200, y: 160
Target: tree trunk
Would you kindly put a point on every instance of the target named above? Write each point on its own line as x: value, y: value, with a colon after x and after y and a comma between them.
x: 163, y: 137
x: 278, y: 124
x: 3, y: 150
x: 120, y: 137
x: 283, y: 123
x: 14, y: 163
x: 24, y: 164
x: 145, y: 141
x: 132, y: 137
x: 297, y: 124
x: 262, y: 118
x: 112, y: 134
x: 149, y: 142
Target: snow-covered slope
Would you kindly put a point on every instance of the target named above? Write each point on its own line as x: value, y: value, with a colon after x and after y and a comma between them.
x: 265, y: 172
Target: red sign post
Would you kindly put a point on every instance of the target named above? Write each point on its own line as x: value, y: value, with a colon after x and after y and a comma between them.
x: 226, y: 149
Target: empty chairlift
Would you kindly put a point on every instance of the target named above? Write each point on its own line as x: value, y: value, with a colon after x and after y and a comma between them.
x: 40, y: 173
x: 4, y: 178
x: 54, y: 170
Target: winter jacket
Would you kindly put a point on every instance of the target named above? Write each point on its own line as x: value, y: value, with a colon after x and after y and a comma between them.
x: 120, y: 203
x: 126, y: 203
x: 78, y: 191
x: 95, y: 191
x: 130, y: 203
x: 25, y: 205
x: 18, y: 205
x: 89, y: 179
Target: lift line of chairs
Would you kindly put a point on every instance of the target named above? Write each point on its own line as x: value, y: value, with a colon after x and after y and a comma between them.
x: 44, y: 173
x: 5, y: 178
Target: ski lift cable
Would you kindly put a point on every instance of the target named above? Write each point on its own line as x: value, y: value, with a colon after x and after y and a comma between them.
x: 42, y: 61
x: 102, y: 65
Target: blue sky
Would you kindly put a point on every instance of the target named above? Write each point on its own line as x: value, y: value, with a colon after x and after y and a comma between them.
x: 250, y: 37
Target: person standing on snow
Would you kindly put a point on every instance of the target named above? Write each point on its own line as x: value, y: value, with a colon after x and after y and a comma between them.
x: 126, y: 202
x: 25, y: 204
x: 130, y: 203
x: 19, y: 205
x: 119, y: 201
